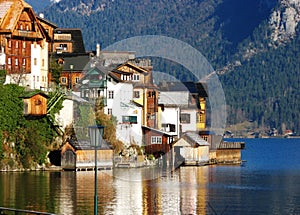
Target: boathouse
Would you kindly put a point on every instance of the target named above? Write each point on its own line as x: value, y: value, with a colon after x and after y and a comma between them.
x: 80, y: 155
x: 229, y: 152
x: 191, y: 149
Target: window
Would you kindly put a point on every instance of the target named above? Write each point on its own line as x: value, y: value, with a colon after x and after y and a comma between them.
x: 200, y: 118
x: 63, y: 80
x: 168, y: 127
x: 156, y: 140
x: 9, y: 43
x: 109, y: 111
x: 24, y: 62
x: 136, y: 94
x: 77, y: 80
x: 9, y: 61
x: 136, y: 77
x: 110, y: 94
x: 43, y: 62
x: 185, y: 118
x: 27, y: 27
x: 24, y: 44
x: 21, y: 27
x: 17, y: 44
x: 151, y: 94
x: 37, y: 102
x: 38, y: 78
x: 16, y: 61
x: 129, y: 119
x: 35, y: 61
x: 63, y: 46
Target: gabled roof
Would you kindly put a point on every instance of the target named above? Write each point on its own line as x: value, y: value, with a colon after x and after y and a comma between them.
x: 10, y: 12
x: 76, y: 145
x: 46, y: 21
x: 30, y: 94
x: 191, y: 139
x: 131, y: 65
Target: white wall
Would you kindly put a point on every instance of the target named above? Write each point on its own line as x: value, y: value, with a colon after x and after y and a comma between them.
x: 39, y: 70
x: 122, y: 105
x: 192, y: 126
x: 65, y: 116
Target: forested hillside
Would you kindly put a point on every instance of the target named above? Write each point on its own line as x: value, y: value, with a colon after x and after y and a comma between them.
x: 259, y: 75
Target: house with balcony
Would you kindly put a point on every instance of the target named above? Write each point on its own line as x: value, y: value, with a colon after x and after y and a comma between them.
x: 24, y: 45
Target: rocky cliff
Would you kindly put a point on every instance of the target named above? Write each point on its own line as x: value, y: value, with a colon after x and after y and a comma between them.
x: 284, y: 20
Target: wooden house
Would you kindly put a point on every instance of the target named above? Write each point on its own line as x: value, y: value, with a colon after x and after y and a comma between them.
x: 156, y: 142
x: 191, y: 149
x: 80, y: 155
x: 25, y: 45
x: 229, y: 152
x: 35, y: 103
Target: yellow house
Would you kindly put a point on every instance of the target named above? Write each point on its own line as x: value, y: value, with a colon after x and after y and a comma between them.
x: 201, y: 116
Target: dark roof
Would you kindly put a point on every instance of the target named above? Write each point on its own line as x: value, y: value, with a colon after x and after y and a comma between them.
x: 76, y: 35
x: 157, y: 131
x: 86, y: 145
x: 30, y: 94
x: 78, y: 61
x: 192, y: 87
x: 46, y: 21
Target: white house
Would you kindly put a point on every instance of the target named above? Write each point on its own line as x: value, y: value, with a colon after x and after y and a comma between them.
x: 127, y: 113
x: 177, y: 115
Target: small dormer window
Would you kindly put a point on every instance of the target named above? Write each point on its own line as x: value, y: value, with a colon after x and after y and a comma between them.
x: 21, y: 27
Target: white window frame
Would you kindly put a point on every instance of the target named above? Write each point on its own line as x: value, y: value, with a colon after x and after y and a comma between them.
x: 156, y: 139
x: 63, y: 80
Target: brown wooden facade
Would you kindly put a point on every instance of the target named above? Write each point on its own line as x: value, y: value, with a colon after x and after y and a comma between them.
x: 156, y: 142
x: 19, y: 29
x: 35, y: 104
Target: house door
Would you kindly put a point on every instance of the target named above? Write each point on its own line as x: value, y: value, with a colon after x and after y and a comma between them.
x: 68, y: 160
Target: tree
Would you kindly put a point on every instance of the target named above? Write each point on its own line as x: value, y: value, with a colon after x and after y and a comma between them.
x: 55, y: 70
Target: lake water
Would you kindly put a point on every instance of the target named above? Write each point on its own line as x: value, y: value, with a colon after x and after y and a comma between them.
x: 268, y: 183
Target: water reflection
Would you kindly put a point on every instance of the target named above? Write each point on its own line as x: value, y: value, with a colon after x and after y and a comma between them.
x: 123, y: 191
x: 188, y: 190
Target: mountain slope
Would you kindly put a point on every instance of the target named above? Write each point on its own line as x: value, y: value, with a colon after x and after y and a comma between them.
x: 249, y: 42
x: 206, y: 24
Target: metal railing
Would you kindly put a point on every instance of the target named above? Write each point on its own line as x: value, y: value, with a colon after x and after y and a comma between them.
x: 20, y: 211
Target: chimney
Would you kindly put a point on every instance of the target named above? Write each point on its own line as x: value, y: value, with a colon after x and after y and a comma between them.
x: 98, y: 50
